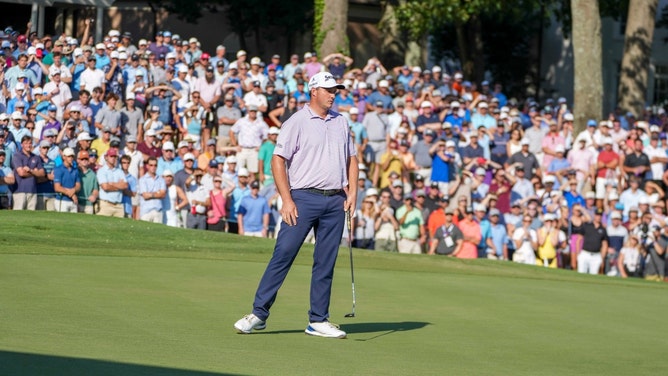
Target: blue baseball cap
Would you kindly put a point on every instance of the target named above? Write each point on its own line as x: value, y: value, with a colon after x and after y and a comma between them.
x: 52, y: 107
x: 591, y: 123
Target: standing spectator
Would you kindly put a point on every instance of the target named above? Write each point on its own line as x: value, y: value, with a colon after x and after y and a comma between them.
x: 67, y: 183
x: 108, y: 116
x: 227, y: 116
x: 130, y: 197
x: 198, y: 197
x: 637, y: 163
x: 92, y: 77
x: 27, y: 168
x: 364, y: 225
x: 472, y: 236
x: 386, y: 225
x: 253, y: 213
x: 240, y: 191
x: 526, y: 242
x: 264, y: 157
x: 527, y: 159
x: 606, y: 166
x: 210, y: 92
x: 58, y: 93
x: 217, y: 213
x: 337, y: 63
x: 411, y: 227
x: 132, y: 119
x: 377, y: 127
x: 628, y: 262
x: 548, y: 240
x: 499, y: 236
x: 6, y: 179
x: 112, y: 184
x: 552, y: 141
x: 87, y: 196
x: 595, y: 246
x: 173, y: 202
x: 448, y: 238
x: 152, y: 190
x: 247, y: 135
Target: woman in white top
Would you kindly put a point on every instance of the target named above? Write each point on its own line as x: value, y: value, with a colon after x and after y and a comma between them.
x: 629, y: 258
x: 513, y: 146
x: 170, y: 208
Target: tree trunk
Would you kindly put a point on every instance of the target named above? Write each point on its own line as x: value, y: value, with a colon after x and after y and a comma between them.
x: 331, y: 33
x: 637, y: 52
x: 587, y: 58
x: 464, y: 52
x: 394, y: 48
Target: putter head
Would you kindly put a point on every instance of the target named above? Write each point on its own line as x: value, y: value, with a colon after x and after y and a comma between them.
x: 350, y: 315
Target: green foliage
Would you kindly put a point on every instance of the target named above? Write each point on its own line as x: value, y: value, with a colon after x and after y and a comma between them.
x: 318, y: 33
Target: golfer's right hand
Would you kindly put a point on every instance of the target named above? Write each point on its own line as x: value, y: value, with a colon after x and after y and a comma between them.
x: 289, y: 212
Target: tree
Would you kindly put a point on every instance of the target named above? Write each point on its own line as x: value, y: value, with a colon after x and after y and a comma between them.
x: 637, y: 51
x: 587, y: 60
x: 329, y: 27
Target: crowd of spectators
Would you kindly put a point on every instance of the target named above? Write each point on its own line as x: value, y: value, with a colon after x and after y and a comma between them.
x: 162, y: 131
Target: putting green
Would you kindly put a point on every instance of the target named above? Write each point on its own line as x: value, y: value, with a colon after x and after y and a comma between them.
x: 98, y: 296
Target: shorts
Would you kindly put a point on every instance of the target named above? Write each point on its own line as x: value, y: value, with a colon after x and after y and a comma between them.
x: 600, y: 188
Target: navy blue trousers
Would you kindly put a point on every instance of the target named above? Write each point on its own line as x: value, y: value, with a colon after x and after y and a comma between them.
x: 326, y: 216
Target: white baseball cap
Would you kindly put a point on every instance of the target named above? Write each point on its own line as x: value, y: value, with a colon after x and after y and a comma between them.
x: 167, y: 145
x: 243, y: 172
x: 324, y: 80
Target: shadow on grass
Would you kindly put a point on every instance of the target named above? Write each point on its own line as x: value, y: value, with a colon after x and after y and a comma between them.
x: 383, y: 328
x: 15, y: 363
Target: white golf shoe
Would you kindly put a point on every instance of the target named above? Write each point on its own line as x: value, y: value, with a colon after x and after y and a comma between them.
x: 248, y: 323
x: 324, y: 329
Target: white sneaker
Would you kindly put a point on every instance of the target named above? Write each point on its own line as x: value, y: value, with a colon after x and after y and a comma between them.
x: 324, y: 329
x: 246, y: 324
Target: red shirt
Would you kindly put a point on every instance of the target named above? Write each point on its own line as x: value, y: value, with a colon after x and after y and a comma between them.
x: 605, y: 157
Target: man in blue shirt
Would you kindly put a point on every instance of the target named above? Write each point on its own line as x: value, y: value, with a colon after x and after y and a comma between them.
x: 152, y: 189
x: 253, y: 213
x: 112, y: 184
x: 6, y: 179
x: 499, y: 236
x: 66, y: 184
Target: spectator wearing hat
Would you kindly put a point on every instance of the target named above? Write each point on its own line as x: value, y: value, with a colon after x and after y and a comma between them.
x: 241, y: 190
x: 583, y: 161
x: 217, y: 213
x: 109, y: 117
x: 436, y: 217
x: 164, y: 97
x: 633, y: 195
x: 428, y: 119
x: 136, y: 167
x: 169, y: 161
x: 18, y: 96
x: 525, y: 240
x: 134, y: 71
x: 199, y: 200
x: 132, y: 119
x: 499, y: 236
x: 59, y: 66
x: 57, y: 92
x: 112, y: 182
x: 255, y: 97
x: 101, y: 57
x: 158, y: 46
x: 211, y: 173
x: 66, y: 183
x: 50, y: 123
x: 6, y: 177
x: 103, y: 142
x: 548, y: 240
x: 255, y: 73
x: 253, y: 213
x: 481, y: 117
x: 629, y: 260
x: 113, y: 74
x: 471, y: 235
x: 219, y: 57
x: 92, y: 76
x: 45, y: 191
x: 157, y: 72
x: 526, y: 159
x: 441, y: 162
x: 386, y: 225
x: 448, y: 238
x: 552, y: 141
x: 20, y: 73
x: 559, y: 166
x: 209, y: 94
x: 87, y: 196
x: 247, y: 135
x: 337, y: 63
x: 151, y: 191
x: 27, y: 168
x: 595, y: 246
x: 227, y: 115
x: 150, y: 146
x: 364, y: 224
x: 411, y: 227
x: 656, y: 153
x: 382, y: 95
x: 208, y: 154
x: 377, y: 126
x: 277, y: 82
x: 130, y: 194
x: 265, y: 155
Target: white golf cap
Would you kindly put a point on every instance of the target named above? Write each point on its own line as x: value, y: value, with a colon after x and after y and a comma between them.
x: 84, y: 136
x: 243, y: 171
x: 353, y: 111
x: 549, y: 179
x: 167, y: 172
x: 616, y: 215
x: 559, y: 149
x: 613, y: 196
x: 231, y: 159
x: 371, y: 192
x: 189, y: 157
x: 383, y: 83
x: 525, y: 141
x: 426, y: 104
x: 549, y: 217
x: 324, y: 80
x: 590, y: 194
x: 568, y: 117
x: 274, y: 130
x: 450, y: 144
x: 167, y: 145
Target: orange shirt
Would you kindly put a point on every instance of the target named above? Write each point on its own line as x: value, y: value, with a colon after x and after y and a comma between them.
x: 436, y: 219
x: 470, y: 229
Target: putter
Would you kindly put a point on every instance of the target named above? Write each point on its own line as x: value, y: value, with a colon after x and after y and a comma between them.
x: 352, y: 271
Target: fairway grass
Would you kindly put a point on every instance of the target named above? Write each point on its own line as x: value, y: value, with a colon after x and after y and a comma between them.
x: 83, y: 295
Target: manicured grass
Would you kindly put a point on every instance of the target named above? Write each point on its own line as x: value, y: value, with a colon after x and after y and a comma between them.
x: 99, y: 296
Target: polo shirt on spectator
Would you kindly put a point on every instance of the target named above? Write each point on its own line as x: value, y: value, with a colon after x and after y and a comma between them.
x: 528, y: 161
x: 420, y: 150
x: 88, y: 185
x: 411, y: 227
x: 605, y: 157
x: 67, y: 178
x: 250, y: 133
x: 110, y: 175
x: 29, y: 184
x: 253, y: 209
x: 634, y: 160
x: 593, y: 237
x: 149, y: 184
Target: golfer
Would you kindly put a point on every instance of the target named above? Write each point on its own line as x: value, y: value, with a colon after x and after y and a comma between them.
x: 313, y: 163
